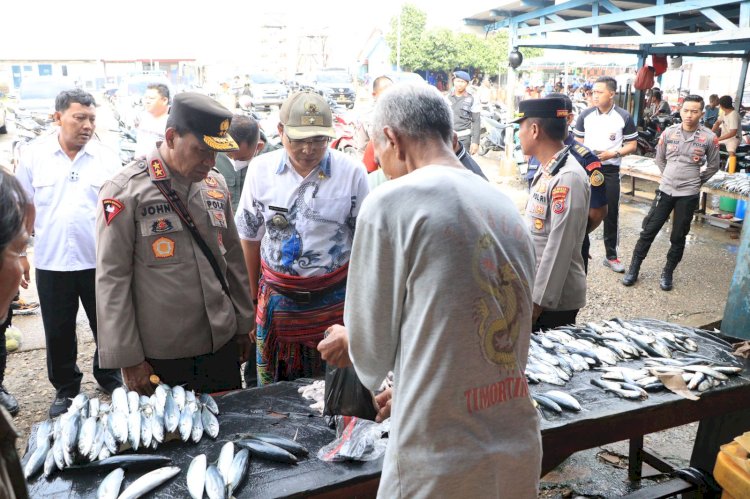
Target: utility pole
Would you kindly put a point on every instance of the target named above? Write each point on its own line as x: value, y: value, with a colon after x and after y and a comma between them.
x: 398, y: 41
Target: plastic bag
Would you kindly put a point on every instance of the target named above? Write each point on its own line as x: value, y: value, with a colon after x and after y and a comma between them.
x: 644, y: 79
x: 347, y: 396
x: 360, y: 440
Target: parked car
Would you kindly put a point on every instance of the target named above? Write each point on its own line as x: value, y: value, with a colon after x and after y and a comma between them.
x: 266, y: 90
x: 336, y: 85
x: 404, y: 76
x: 36, y: 97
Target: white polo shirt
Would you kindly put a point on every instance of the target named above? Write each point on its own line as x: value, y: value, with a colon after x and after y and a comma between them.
x: 65, y: 194
x: 605, y: 131
x: 306, y: 225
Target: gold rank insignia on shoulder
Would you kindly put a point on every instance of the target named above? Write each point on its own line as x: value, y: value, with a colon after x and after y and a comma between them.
x: 321, y: 175
x: 597, y: 178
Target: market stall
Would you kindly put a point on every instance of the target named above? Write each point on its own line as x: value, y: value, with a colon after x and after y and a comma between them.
x: 279, y: 409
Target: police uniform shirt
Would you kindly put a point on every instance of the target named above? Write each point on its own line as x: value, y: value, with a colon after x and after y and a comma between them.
x: 158, y: 296
x: 64, y: 194
x: 306, y: 225
x: 464, y: 108
x: 680, y: 155
x: 557, y: 215
x: 605, y: 131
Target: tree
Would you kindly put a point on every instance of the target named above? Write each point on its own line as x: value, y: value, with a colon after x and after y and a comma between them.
x: 413, y: 23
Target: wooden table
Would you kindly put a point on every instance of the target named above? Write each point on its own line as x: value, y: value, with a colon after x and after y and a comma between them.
x: 279, y: 409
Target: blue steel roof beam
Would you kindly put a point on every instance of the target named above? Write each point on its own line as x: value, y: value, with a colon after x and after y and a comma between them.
x: 720, y: 21
x: 526, y: 42
x: 558, y: 19
x: 744, y: 15
x: 595, y: 13
x: 645, y: 12
x: 552, y: 9
x: 659, y: 24
x: 634, y: 25
x: 693, y: 50
x: 536, y: 3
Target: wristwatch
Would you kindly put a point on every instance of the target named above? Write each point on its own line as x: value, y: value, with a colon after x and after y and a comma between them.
x: 617, y: 154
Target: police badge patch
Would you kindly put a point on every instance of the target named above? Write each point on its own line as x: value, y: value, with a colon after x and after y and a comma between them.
x: 163, y: 248
x: 596, y: 178
x: 112, y: 208
x: 559, y: 195
x: 161, y: 225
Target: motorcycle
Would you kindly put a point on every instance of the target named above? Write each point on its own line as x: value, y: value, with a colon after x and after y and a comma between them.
x: 344, y: 140
x: 28, y: 128
x: 127, y: 142
x: 648, y: 138
x: 494, y: 138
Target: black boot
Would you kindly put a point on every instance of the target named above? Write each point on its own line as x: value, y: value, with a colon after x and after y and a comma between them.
x: 632, y: 274
x: 8, y: 401
x: 665, y: 283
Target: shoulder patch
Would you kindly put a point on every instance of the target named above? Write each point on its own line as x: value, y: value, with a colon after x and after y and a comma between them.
x: 597, y: 178
x: 112, y: 208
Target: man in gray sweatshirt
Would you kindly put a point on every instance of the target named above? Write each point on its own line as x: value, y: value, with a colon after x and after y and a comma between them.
x: 682, y: 151
x: 439, y: 292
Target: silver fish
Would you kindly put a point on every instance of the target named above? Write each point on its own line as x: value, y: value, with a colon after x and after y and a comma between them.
x: 134, y: 402
x: 118, y: 425
x: 78, y: 402
x: 208, y: 400
x: 178, y: 393
x: 98, y: 443
x: 238, y: 470
x: 120, y: 400
x: 94, y: 407
x: 110, y: 442
x: 161, y: 394
x: 225, y: 460
x: 185, y: 424
x: 36, y: 461
x: 210, y: 423
x: 44, y: 430
x: 68, y: 457
x: 171, y: 414
x: 144, y: 401
x: 145, y: 429
x: 149, y: 481
x: 110, y: 486
x: 696, y: 379
x: 190, y: 397
x: 104, y: 454
x: 707, y: 371
x: 616, y: 389
x: 196, y: 476
x: 70, y: 432
x: 197, y: 432
x: 49, y: 464
x: 57, y: 451
x: 564, y: 400
x: 134, y: 429
x: 157, y: 429
x: 57, y: 428
x: 156, y: 406
x: 215, y: 486
x: 86, y: 436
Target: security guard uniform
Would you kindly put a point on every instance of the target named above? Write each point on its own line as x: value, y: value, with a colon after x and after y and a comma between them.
x: 680, y: 155
x: 160, y: 300
x: 466, y: 121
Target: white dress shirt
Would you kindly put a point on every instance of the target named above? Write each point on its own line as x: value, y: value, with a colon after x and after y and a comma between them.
x: 306, y: 225
x: 65, y: 194
x: 150, y: 131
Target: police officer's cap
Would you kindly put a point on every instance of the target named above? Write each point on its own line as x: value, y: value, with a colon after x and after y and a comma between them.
x: 462, y: 75
x: 541, y: 108
x: 205, y: 118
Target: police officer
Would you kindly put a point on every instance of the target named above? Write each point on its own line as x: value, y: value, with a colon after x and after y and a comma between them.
x: 466, y: 122
x: 682, y: 150
x: 173, y: 287
x: 556, y: 213
x: 590, y: 162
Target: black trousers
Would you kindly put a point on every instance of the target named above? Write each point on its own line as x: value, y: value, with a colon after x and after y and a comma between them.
x: 3, y: 350
x: 612, y: 186
x: 551, y: 319
x: 661, y: 207
x: 466, y: 142
x: 251, y: 368
x: 585, y: 247
x: 59, y: 293
x: 209, y: 373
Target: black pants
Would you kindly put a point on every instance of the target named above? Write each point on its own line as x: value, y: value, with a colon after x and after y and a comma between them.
x: 251, y: 368
x: 585, y: 247
x: 612, y: 186
x: 213, y: 372
x: 59, y: 293
x: 3, y: 351
x: 551, y: 319
x: 466, y: 142
x: 662, y: 206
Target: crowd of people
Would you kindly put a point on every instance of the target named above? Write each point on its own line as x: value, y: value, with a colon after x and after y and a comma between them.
x: 204, y: 256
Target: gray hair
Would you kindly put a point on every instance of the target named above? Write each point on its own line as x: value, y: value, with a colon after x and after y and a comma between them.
x: 415, y: 111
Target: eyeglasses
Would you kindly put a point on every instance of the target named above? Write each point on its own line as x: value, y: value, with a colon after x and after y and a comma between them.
x: 313, y: 143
